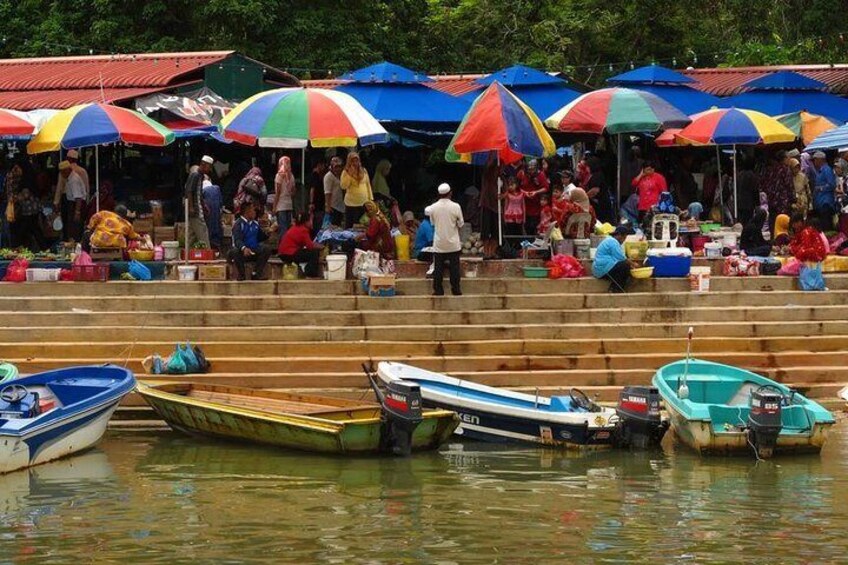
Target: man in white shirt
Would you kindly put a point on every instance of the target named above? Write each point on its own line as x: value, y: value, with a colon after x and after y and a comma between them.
x: 75, y: 195
x: 446, y: 217
x: 73, y: 158
x: 333, y: 193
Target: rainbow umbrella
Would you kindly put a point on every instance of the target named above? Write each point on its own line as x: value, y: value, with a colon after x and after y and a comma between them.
x: 98, y: 124
x: 498, y: 122
x: 733, y: 126
x: 298, y: 117
x: 807, y: 126
x: 13, y: 124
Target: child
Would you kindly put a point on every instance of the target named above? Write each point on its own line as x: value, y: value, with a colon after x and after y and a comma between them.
x: 514, y: 211
x: 546, y: 216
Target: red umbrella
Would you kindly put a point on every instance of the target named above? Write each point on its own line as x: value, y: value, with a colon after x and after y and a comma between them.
x: 12, y: 125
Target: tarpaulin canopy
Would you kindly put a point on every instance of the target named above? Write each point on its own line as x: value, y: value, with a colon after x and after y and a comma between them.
x: 651, y: 74
x: 190, y: 110
x: 785, y: 92
x: 386, y: 72
x: 519, y: 75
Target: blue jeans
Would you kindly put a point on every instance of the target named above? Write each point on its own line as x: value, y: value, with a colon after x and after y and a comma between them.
x: 284, y: 219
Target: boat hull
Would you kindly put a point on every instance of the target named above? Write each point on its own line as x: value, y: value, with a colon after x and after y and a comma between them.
x: 290, y: 431
x: 701, y: 436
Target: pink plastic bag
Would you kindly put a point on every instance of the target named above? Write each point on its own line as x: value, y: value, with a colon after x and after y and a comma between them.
x: 791, y: 269
x: 16, y: 271
x: 83, y: 259
x: 565, y: 266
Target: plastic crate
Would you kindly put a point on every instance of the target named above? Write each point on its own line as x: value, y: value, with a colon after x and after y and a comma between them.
x: 98, y: 272
x: 43, y: 275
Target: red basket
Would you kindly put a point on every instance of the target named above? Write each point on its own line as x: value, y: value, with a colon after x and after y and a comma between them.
x: 199, y: 254
x: 98, y: 272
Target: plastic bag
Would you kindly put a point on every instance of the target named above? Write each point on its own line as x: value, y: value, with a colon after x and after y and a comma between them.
x: 190, y: 359
x: 139, y: 272
x: 365, y: 262
x: 202, y: 362
x: 325, y: 225
x: 16, y: 271
x: 565, y: 266
x: 66, y: 275
x: 811, y: 277
x: 792, y: 268
x: 83, y: 259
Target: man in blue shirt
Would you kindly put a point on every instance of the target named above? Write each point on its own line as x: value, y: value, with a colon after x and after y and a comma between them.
x: 247, y: 243
x: 610, y: 262
x: 824, y: 188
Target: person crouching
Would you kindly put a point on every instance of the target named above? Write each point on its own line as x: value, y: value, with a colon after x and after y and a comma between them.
x: 610, y: 262
x: 247, y: 243
x: 296, y: 246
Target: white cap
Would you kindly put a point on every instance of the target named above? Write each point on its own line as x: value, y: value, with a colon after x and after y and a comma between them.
x: 444, y: 189
x: 208, y: 159
x: 72, y: 154
x: 819, y: 155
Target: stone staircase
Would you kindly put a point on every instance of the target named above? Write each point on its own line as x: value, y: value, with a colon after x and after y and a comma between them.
x: 527, y: 334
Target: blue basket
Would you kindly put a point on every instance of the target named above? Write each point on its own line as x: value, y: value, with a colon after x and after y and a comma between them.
x: 671, y: 266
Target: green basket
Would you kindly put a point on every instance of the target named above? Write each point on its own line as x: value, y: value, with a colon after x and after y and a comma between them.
x: 535, y: 272
x: 709, y: 227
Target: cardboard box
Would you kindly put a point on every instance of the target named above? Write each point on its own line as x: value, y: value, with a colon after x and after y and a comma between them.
x: 381, y: 285
x: 212, y: 272
x: 164, y: 233
x: 143, y: 225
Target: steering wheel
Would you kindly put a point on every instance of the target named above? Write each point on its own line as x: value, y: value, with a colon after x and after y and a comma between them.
x: 580, y: 400
x: 13, y: 393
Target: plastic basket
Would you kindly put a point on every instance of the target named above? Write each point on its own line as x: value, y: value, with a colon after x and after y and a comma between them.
x: 98, y: 272
x: 43, y: 275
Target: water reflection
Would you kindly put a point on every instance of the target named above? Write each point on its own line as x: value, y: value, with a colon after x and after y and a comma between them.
x: 174, y: 499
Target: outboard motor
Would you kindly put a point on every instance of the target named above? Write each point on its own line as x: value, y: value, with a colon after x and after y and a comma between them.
x: 640, y: 421
x: 764, y: 419
x: 401, y: 413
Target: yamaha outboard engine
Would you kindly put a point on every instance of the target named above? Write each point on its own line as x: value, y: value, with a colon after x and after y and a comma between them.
x: 764, y: 419
x: 640, y: 421
x: 401, y: 414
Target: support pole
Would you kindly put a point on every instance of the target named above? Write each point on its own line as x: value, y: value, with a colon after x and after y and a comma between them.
x: 720, y: 188
x: 618, y: 179
x: 97, y: 176
x: 735, y: 170
x: 185, y: 229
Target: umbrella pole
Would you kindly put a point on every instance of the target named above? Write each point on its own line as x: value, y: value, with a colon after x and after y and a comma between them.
x: 720, y: 190
x: 618, y: 178
x: 97, y: 176
x: 303, y: 170
x: 500, y: 219
x: 735, y: 170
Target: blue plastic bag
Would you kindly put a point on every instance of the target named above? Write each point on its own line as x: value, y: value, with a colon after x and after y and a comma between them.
x: 189, y: 358
x: 811, y: 278
x: 139, y: 272
x: 176, y: 364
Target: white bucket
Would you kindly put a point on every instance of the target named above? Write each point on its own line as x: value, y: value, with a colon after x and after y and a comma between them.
x: 712, y: 250
x: 187, y: 272
x: 729, y: 240
x: 171, y: 249
x: 336, y: 267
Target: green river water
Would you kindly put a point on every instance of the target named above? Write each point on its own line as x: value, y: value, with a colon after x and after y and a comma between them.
x: 166, y: 498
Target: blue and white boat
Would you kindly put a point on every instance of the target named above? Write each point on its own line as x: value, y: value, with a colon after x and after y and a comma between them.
x: 54, y: 414
x: 499, y: 415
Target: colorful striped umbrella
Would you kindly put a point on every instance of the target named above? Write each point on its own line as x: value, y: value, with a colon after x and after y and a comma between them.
x: 98, y: 124
x: 616, y: 111
x: 734, y: 126
x: 13, y: 124
x: 297, y: 117
x: 501, y: 123
x: 807, y: 126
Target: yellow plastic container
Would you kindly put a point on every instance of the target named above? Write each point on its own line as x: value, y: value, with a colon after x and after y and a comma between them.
x: 636, y: 250
x: 402, y: 247
x: 642, y: 272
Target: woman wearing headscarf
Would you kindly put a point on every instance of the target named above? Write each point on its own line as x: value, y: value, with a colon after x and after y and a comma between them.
x: 284, y: 187
x: 598, y: 190
x: 781, y: 230
x: 251, y: 189
x: 357, y: 188
x: 378, y: 236
x: 380, y: 184
x: 577, y: 203
x: 752, y: 241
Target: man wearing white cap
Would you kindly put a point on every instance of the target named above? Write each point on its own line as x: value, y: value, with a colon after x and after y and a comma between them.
x: 196, y: 230
x: 446, y: 216
x: 72, y: 205
x: 72, y: 156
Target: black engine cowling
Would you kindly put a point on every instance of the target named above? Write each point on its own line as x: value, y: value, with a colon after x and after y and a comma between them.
x: 765, y: 419
x: 640, y: 419
x: 401, y: 414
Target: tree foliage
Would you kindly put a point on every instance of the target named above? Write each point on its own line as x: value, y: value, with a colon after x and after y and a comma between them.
x: 588, y: 39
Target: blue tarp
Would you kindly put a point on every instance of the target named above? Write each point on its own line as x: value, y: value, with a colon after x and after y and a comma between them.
x: 785, y: 80
x: 386, y: 73
x: 779, y: 102
x: 543, y: 99
x: 833, y: 139
x: 519, y: 75
x: 651, y: 74
x: 407, y: 103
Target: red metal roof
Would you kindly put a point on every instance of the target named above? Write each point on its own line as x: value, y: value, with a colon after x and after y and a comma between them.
x: 729, y: 81
x: 59, y: 99
x: 456, y: 85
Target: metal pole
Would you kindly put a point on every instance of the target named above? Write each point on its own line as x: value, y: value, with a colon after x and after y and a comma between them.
x: 720, y: 189
x: 97, y: 176
x: 185, y: 229
x: 618, y: 179
x: 735, y: 170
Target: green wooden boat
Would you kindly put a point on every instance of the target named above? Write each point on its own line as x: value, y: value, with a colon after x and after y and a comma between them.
x: 292, y: 421
x: 8, y: 372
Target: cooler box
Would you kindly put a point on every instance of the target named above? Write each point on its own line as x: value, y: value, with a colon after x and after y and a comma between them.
x: 670, y: 262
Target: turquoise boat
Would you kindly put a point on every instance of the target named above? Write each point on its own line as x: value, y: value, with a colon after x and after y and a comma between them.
x: 8, y: 372
x: 720, y: 409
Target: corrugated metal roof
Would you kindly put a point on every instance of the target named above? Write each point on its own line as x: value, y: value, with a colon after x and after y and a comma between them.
x: 729, y: 81
x: 60, y: 99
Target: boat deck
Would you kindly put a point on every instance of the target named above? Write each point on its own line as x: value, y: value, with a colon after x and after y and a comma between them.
x: 276, y: 405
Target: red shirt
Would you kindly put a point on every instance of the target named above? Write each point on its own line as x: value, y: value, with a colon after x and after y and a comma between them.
x: 528, y: 184
x: 649, y: 188
x: 295, y: 239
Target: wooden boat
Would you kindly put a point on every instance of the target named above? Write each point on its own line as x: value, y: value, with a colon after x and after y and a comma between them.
x: 294, y: 421
x: 717, y: 408
x: 54, y: 414
x: 499, y: 415
x: 8, y: 372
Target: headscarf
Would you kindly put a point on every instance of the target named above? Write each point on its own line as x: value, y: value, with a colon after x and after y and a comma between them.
x: 284, y: 166
x: 695, y: 210
x: 373, y: 211
x: 380, y: 186
x: 807, y: 163
x: 781, y: 225
x: 354, y: 171
x: 579, y: 197
x: 253, y: 178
